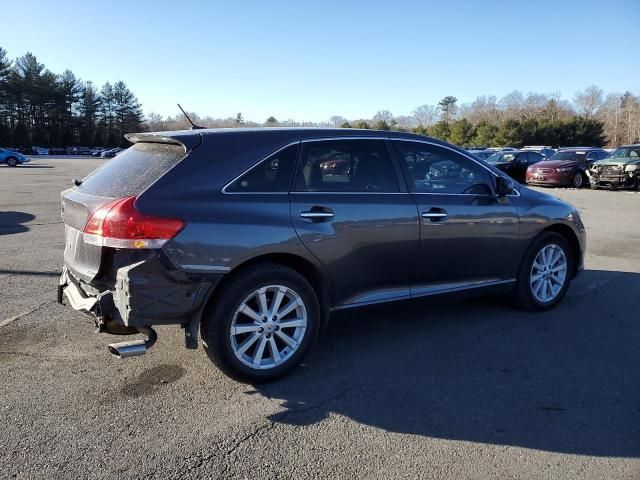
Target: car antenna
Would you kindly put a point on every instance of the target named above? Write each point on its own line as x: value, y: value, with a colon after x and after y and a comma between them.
x: 193, y: 125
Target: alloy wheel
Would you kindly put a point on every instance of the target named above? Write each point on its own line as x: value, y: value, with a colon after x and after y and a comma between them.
x: 548, y: 273
x: 577, y: 180
x: 268, y: 327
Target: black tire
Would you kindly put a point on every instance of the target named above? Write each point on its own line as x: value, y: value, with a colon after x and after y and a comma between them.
x: 12, y: 162
x: 218, y: 318
x: 577, y: 181
x: 636, y: 187
x: 523, y: 294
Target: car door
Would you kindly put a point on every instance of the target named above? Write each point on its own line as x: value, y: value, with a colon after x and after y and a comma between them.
x: 352, y: 212
x: 467, y: 234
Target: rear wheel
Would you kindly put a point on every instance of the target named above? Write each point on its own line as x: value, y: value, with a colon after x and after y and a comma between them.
x: 12, y: 162
x: 545, y: 273
x: 578, y: 180
x: 261, y: 324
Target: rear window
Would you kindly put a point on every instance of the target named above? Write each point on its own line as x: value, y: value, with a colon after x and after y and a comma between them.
x: 133, y: 170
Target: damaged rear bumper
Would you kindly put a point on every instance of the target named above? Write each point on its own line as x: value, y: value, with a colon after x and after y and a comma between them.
x: 144, y: 294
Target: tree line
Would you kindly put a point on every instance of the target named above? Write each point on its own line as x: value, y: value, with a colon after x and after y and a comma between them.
x: 593, y: 118
x: 39, y: 107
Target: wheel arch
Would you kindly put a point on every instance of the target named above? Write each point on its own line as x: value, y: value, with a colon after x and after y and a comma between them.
x: 318, y: 279
x: 571, y: 237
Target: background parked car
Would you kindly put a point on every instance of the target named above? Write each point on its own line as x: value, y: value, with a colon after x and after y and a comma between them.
x: 96, y: 151
x: 483, y: 154
x: 39, y: 150
x: 24, y: 150
x: 12, y: 158
x: 545, y: 151
x: 567, y: 167
x: 111, y: 153
x: 78, y: 151
x: 620, y: 170
x: 515, y: 163
x: 502, y: 149
x: 57, y: 151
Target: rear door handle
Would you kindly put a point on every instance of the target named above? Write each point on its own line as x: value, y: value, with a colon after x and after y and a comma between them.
x: 317, y: 214
x: 435, y: 215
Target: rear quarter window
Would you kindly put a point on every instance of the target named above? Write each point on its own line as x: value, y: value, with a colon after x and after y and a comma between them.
x: 271, y: 175
x: 133, y: 170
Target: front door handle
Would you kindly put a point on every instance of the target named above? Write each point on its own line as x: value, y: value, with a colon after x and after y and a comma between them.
x: 435, y: 215
x: 317, y: 214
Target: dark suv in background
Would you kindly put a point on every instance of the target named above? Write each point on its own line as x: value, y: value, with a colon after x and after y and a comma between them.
x: 515, y: 163
x: 252, y: 237
x: 568, y: 167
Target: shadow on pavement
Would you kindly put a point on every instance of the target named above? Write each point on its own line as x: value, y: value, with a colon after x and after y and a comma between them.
x: 35, y: 273
x: 567, y: 380
x: 12, y: 222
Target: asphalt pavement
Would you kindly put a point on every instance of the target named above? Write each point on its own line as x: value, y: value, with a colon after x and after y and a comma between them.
x: 424, y: 389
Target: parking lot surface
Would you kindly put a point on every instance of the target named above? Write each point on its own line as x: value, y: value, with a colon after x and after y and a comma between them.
x: 424, y: 389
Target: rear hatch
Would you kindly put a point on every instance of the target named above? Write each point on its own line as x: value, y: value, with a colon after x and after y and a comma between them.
x: 128, y: 174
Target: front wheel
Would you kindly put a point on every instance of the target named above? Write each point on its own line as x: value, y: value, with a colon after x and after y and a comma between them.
x: 12, y: 162
x: 545, y: 273
x: 578, y: 180
x: 261, y: 324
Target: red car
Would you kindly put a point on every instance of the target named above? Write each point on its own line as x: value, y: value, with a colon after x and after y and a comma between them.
x: 566, y: 168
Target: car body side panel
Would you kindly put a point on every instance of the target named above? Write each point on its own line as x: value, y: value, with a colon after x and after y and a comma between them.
x: 539, y: 211
x: 369, y: 247
x: 476, y: 241
x: 226, y: 231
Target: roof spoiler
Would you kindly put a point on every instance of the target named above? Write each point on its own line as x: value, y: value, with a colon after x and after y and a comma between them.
x: 188, y: 140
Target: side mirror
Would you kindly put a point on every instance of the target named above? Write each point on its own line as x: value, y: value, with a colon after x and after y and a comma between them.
x: 504, y: 186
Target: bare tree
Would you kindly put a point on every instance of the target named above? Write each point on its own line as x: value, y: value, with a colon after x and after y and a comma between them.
x: 426, y: 115
x: 512, y: 105
x: 589, y: 102
x: 383, y: 116
x: 336, y: 120
x: 483, y: 109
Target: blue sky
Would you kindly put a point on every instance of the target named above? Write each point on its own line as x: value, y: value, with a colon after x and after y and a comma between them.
x: 311, y: 60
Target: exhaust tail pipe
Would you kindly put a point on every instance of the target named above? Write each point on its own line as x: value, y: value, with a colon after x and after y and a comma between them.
x: 135, y: 347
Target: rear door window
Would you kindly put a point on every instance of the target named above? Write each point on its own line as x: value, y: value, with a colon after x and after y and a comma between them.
x: 133, y: 170
x: 346, y: 166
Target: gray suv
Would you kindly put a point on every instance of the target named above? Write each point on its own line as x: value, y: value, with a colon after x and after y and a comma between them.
x: 252, y: 237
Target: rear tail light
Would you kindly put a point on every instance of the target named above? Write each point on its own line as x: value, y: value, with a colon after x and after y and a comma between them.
x: 118, y: 224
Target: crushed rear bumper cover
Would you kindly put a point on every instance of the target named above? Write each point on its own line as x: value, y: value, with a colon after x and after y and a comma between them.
x: 145, y: 293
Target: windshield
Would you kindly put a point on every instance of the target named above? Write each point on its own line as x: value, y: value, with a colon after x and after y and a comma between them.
x: 501, y: 157
x: 569, y: 155
x: 626, y: 152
